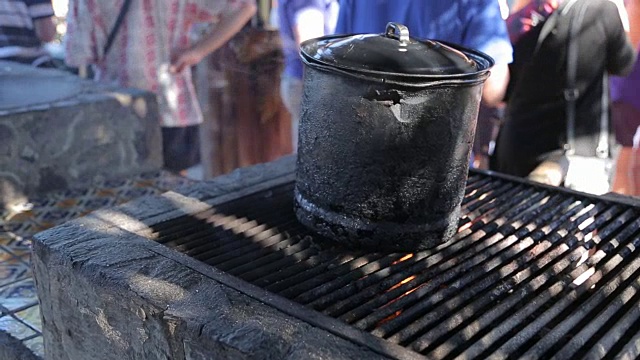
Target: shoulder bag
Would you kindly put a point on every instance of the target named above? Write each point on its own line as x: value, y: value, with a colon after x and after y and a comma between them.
x: 591, y: 174
x: 88, y: 71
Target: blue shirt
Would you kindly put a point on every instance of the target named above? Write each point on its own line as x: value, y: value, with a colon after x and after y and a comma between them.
x: 475, y: 24
x: 288, y: 10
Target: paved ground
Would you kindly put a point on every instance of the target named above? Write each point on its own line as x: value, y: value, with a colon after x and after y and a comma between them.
x: 19, y: 310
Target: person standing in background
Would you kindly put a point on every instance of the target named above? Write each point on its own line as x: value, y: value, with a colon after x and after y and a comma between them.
x: 534, y: 139
x: 476, y: 24
x: 300, y: 20
x: 489, y: 120
x: 25, y: 25
x: 152, y: 51
x: 625, y: 111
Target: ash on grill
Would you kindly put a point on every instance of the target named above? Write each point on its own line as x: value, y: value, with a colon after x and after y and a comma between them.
x: 532, y: 272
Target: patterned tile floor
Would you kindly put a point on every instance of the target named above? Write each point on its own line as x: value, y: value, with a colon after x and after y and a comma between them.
x: 19, y: 310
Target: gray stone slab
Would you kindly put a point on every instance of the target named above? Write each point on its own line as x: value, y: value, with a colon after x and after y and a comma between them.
x: 26, y: 87
x: 106, y: 293
x: 59, y: 131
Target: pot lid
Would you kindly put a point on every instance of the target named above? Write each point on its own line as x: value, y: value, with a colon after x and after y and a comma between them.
x: 393, y: 52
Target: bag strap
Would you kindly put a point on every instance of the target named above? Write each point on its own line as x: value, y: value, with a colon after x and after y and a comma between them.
x: 602, y: 150
x: 551, y: 22
x: 116, y: 27
x: 571, y: 92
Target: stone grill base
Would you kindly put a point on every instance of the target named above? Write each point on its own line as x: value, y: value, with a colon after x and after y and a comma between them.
x: 58, y: 131
x: 107, y: 292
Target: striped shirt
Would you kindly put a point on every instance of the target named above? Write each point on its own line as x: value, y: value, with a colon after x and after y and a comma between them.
x: 17, y: 33
x: 151, y: 33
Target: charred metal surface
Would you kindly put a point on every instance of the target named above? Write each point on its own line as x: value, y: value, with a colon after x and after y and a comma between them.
x: 532, y: 272
x: 387, y: 97
x: 392, y: 174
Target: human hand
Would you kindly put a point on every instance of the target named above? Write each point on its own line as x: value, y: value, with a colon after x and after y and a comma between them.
x: 185, y: 59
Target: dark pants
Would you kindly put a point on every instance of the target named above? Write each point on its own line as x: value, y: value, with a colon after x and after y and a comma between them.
x: 181, y: 147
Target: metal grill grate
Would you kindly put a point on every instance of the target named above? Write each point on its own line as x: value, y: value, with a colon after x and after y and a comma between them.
x: 533, y: 272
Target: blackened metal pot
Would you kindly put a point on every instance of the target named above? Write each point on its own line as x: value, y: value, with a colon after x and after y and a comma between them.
x: 383, y: 155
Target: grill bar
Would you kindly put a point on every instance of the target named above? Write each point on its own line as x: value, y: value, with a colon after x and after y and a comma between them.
x: 403, y: 301
x: 554, y: 298
x: 314, y: 279
x: 349, y: 290
x: 532, y: 272
x: 287, y: 256
x: 379, y: 301
x: 630, y: 349
x: 473, y: 256
x: 588, y: 303
x: 552, y: 258
x: 196, y: 237
x: 338, y: 288
x: 231, y: 257
x: 476, y: 280
x: 549, y: 265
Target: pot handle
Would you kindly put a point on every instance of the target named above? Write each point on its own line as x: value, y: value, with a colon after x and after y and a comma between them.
x: 398, y: 32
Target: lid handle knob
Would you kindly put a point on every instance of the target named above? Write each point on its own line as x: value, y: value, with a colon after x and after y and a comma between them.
x: 398, y: 32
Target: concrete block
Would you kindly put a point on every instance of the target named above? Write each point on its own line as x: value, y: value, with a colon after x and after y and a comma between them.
x: 59, y: 131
